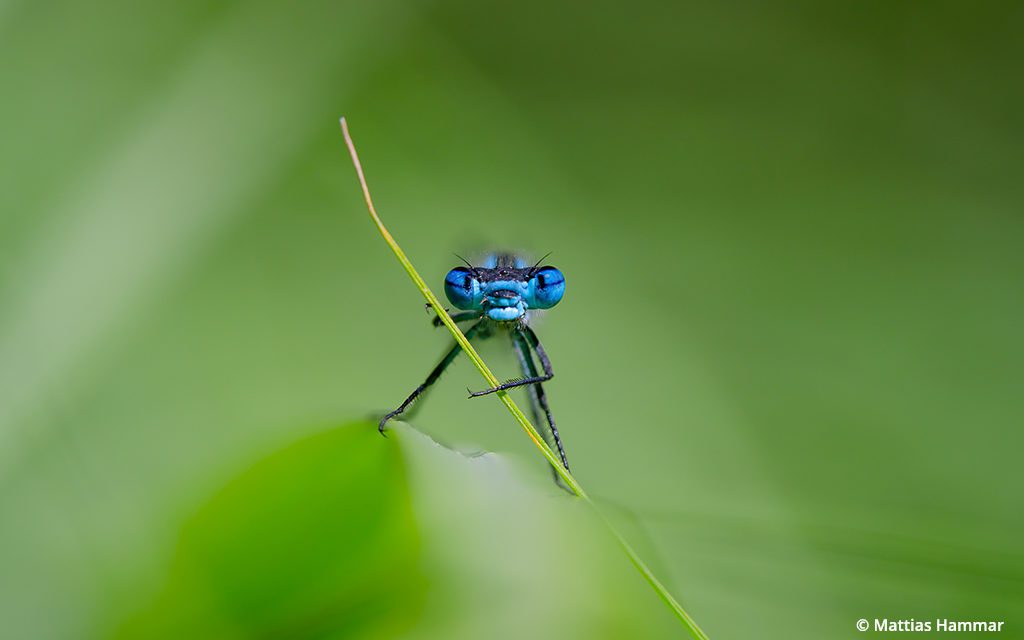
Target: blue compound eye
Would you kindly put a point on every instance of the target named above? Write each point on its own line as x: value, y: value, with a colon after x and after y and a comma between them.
x: 547, y: 288
x: 462, y: 288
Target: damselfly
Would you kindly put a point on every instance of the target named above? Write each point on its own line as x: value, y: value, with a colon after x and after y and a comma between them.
x: 498, y: 298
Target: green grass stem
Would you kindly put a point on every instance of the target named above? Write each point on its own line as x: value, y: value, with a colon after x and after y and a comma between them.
x: 513, y: 408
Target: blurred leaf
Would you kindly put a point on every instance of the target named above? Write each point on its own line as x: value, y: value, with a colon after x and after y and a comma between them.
x: 345, y: 534
x: 316, y: 540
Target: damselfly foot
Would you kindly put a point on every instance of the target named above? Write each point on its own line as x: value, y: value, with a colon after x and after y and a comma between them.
x: 381, y: 427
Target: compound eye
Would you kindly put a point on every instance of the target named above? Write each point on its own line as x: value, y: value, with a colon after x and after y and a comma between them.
x: 548, y: 287
x: 462, y: 288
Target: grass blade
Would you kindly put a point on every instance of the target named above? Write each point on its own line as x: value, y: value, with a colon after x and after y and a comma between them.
x: 513, y: 408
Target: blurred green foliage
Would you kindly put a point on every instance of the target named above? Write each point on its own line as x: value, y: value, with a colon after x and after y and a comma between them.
x: 318, y: 540
x: 791, y: 236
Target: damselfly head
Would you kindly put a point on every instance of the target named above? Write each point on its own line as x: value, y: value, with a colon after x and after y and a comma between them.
x: 505, y: 287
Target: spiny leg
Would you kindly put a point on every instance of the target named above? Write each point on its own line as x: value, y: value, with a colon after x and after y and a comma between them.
x: 549, y: 373
x: 539, y: 402
x: 458, y: 316
x: 527, y: 367
x: 431, y: 378
x: 463, y: 316
x: 530, y: 338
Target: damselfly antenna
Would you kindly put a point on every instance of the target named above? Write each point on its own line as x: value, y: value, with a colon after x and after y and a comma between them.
x: 533, y: 269
x: 468, y: 264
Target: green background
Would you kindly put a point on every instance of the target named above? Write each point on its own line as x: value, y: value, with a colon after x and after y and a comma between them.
x: 792, y: 234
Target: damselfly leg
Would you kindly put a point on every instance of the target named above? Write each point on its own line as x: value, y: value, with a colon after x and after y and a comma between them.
x: 545, y: 362
x: 538, y: 398
x: 462, y: 316
x: 445, y: 362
